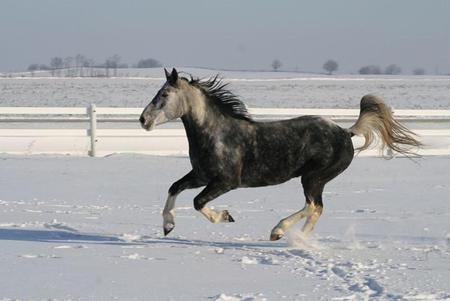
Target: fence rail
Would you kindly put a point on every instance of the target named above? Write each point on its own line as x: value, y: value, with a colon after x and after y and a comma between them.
x: 254, y: 111
x: 60, y: 139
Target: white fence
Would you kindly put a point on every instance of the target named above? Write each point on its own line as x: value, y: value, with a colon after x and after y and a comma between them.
x: 47, y: 130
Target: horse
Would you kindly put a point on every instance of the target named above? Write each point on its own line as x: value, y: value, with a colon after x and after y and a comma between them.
x: 228, y: 149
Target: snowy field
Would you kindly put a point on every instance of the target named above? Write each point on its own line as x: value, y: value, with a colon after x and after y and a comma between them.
x: 135, y: 87
x: 75, y: 228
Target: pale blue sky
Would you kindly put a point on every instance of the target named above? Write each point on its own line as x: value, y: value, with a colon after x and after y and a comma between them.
x: 233, y: 34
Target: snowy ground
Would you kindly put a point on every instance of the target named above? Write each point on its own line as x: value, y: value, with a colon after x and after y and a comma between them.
x: 136, y: 87
x: 90, y: 229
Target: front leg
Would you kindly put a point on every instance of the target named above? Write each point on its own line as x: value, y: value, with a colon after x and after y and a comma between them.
x: 169, y: 214
x: 212, y: 191
x: 188, y: 181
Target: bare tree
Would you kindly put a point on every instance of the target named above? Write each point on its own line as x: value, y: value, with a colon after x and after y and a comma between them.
x: 56, y: 63
x: 32, y: 68
x: 116, y: 63
x: 148, y: 63
x: 419, y: 71
x: 68, y: 65
x: 89, y: 64
x: 276, y: 64
x: 79, y: 63
x: 371, y: 69
x: 108, y: 64
x: 112, y: 62
x: 330, y: 66
x: 44, y: 67
x: 393, y: 69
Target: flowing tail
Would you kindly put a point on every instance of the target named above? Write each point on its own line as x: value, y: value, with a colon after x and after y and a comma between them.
x: 375, y: 119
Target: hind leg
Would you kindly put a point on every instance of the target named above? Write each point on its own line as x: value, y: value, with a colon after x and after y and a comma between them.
x: 311, y: 220
x: 314, y: 196
x: 280, y: 229
x: 312, y: 211
x: 313, y: 184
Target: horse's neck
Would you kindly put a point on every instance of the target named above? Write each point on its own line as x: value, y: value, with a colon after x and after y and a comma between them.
x: 201, y: 123
x: 204, y: 125
x: 200, y: 115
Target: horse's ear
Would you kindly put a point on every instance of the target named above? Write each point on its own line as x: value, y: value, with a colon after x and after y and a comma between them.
x: 167, y: 74
x: 174, y: 74
x: 172, y: 77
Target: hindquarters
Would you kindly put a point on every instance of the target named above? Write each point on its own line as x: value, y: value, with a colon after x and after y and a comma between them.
x: 326, y: 164
x: 324, y: 169
x: 328, y: 153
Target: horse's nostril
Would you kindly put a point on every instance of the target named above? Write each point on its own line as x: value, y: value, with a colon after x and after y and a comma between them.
x: 142, y: 120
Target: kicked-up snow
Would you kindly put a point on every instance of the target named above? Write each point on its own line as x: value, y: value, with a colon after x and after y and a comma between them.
x: 76, y: 228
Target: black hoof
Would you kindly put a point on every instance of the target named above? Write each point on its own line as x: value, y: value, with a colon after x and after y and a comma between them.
x: 167, y: 230
x: 228, y: 217
x: 274, y: 237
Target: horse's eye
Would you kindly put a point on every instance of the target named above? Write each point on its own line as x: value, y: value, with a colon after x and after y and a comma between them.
x: 160, y: 103
x: 164, y: 94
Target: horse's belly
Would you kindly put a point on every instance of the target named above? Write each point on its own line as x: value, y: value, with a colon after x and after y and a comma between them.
x: 264, y: 175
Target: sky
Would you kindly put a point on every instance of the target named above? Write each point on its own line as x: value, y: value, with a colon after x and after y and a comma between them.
x: 230, y: 34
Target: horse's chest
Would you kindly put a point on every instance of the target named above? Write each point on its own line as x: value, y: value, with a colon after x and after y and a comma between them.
x: 214, y: 158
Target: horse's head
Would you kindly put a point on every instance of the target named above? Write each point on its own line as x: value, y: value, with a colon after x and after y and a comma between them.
x: 166, y: 105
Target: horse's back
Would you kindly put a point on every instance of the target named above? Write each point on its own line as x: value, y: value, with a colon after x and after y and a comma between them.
x: 287, y: 148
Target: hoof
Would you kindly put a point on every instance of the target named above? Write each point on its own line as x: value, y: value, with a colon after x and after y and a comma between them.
x: 274, y: 237
x: 168, y: 228
x: 228, y: 217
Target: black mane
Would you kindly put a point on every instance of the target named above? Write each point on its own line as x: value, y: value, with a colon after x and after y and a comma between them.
x: 226, y: 101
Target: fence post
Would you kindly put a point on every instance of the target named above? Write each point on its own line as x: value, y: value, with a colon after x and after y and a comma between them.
x: 93, y: 130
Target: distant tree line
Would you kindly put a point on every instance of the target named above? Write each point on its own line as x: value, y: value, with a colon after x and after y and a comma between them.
x: 331, y: 66
x: 374, y: 69
x: 82, y: 66
x: 391, y: 69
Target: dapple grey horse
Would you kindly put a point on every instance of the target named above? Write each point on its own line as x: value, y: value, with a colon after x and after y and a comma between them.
x: 228, y: 149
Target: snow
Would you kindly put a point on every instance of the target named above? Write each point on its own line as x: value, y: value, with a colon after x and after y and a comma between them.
x: 79, y: 228
x: 257, y: 89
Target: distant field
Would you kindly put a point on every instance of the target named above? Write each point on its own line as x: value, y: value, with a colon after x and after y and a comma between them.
x: 135, y: 87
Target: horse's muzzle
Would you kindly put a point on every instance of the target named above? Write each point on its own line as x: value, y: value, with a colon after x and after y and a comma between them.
x: 142, y: 120
x: 145, y: 124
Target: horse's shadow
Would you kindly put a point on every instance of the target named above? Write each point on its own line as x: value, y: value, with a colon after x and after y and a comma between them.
x: 63, y: 236
x: 244, y: 245
x: 73, y: 236
x: 52, y: 236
